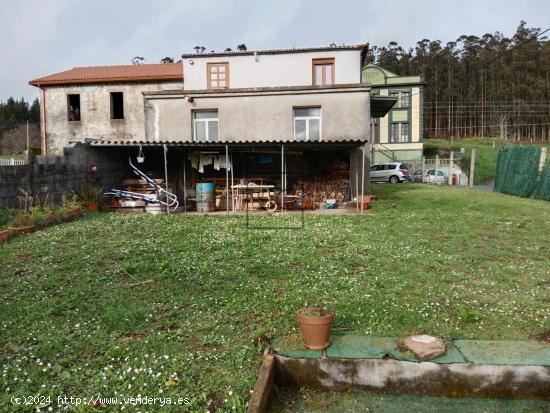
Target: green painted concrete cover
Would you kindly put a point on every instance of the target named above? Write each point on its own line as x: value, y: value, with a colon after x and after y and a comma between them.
x: 459, y: 351
x: 525, y: 353
x: 367, y: 347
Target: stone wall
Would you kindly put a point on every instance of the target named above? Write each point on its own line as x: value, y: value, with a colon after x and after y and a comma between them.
x: 50, y: 177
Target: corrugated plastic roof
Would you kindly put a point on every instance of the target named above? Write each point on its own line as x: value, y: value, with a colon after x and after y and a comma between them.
x: 113, y: 74
x: 107, y: 142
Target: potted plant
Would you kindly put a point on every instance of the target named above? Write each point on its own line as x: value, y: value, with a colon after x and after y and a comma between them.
x: 39, y: 217
x: 22, y: 224
x: 71, y: 205
x: 315, y: 324
x: 90, y: 197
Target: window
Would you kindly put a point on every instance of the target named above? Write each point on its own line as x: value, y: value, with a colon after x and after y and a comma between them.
x: 117, y: 105
x: 73, y: 108
x: 404, y: 132
x: 307, y: 124
x: 405, y: 99
x: 323, y: 72
x: 399, y: 132
x: 205, y: 126
x: 394, y: 130
x: 217, y: 75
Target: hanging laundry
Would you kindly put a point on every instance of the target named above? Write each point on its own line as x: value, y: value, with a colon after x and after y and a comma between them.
x: 223, y: 162
x: 205, y: 159
x: 194, y: 158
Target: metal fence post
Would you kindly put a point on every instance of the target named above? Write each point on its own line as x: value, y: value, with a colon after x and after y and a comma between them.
x: 542, y: 158
x: 423, y: 177
x: 450, y: 177
x: 472, y: 168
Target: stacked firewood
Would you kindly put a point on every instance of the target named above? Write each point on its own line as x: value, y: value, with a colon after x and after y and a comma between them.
x: 321, y: 189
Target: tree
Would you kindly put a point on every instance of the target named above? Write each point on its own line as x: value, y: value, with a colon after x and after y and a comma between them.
x: 138, y: 60
x: 167, y: 60
x: 479, y: 86
x: 242, y: 47
x: 228, y: 50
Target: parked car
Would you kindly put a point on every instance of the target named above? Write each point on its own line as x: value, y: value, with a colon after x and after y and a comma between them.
x: 440, y: 178
x: 393, y: 172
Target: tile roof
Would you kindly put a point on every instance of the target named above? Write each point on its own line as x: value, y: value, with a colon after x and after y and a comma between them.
x: 113, y: 74
x: 277, y: 51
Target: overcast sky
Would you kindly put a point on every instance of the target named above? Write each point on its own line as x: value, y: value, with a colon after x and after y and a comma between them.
x: 40, y: 37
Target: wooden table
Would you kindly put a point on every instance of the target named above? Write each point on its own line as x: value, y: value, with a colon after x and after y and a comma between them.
x: 246, y: 193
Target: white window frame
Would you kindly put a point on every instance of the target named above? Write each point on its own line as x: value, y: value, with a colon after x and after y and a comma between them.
x: 307, y: 119
x: 206, y: 121
x: 401, y: 136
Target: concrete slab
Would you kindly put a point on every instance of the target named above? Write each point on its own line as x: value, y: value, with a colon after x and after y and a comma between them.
x: 524, y: 353
x: 365, y: 347
x: 348, y: 346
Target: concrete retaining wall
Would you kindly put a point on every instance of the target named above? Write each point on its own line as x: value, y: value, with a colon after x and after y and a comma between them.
x: 53, y: 176
x: 425, y: 378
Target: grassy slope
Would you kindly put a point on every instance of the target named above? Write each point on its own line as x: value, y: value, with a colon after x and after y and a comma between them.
x: 447, y: 261
x: 486, y: 154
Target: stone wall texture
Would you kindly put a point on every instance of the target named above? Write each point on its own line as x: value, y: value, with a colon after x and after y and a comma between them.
x: 50, y: 177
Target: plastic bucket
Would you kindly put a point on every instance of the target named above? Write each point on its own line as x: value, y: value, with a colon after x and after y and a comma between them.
x: 206, y: 196
x: 154, y: 209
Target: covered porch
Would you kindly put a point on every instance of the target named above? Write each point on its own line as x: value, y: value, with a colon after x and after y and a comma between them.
x: 231, y: 177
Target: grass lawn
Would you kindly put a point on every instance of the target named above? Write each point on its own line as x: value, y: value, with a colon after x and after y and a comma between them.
x: 179, y: 306
x: 486, y: 154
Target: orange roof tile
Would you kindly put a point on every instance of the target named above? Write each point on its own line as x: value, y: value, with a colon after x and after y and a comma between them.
x: 114, y: 74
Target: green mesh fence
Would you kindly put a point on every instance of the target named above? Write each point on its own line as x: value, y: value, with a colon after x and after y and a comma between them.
x: 517, y: 173
x: 542, y: 191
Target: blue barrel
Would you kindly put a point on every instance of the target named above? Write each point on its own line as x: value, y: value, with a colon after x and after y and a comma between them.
x: 206, y: 196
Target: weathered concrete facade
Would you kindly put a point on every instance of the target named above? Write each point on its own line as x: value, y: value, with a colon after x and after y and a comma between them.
x: 95, y: 110
x: 260, y: 115
x: 259, y: 69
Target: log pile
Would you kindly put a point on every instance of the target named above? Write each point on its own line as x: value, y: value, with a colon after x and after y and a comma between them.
x: 321, y: 189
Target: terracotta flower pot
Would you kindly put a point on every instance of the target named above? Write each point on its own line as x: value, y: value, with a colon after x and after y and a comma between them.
x: 74, y: 212
x: 4, y: 235
x: 91, y: 206
x: 315, y: 323
x: 22, y: 230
